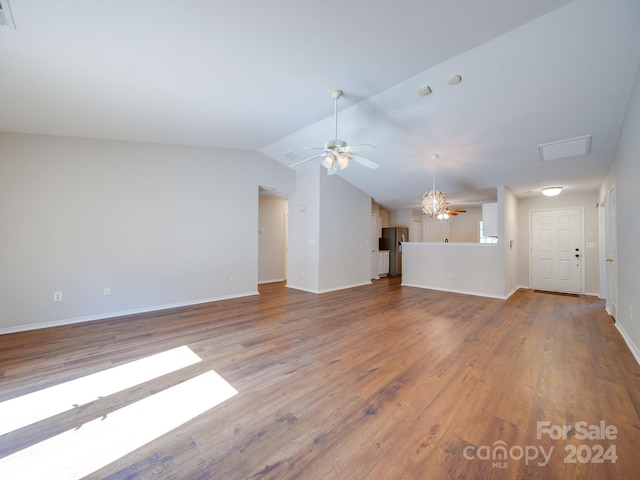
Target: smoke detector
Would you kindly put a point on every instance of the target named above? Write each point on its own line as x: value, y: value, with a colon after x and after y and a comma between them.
x: 454, y: 79
x: 424, y: 91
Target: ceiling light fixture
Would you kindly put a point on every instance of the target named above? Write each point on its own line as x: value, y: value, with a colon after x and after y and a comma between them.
x: 337, y: 153
x: 434, y: 201
x: 551, y: 191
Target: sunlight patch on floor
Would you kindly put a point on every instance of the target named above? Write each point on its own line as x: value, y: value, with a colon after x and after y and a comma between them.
x: 33, y: 407
x: 81, y: 451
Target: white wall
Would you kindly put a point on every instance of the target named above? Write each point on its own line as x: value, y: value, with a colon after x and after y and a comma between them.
x: 329, y: 233
x: 460, y: 228
x: 160, y: 225
x: 625, y: 174
x: 410, y: 218
x: 510, y: 240
x: 304, y: 231
x: 476, y: 269
x: 271, y: 239
x: 345, y: 234
x: 464, y: 227
x: 470, y: 268
x: 591, y: 260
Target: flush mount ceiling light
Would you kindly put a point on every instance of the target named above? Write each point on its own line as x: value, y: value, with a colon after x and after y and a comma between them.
x: 551, y: 191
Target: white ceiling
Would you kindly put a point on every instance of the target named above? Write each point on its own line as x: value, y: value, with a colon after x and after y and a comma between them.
x: 256, y: 75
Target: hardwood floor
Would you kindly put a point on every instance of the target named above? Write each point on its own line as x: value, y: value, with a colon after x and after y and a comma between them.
x: 374, y: 382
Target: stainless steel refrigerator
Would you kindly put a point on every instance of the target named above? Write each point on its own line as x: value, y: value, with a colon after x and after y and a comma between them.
x: 391, y: 240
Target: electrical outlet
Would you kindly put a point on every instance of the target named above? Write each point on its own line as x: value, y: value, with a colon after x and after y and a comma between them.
x: 232, y: 278
x: 57, y: 296
x: 107, y: 290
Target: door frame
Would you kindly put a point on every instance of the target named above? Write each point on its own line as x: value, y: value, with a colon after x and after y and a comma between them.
x: 610, y: 241
x: 582, y: 247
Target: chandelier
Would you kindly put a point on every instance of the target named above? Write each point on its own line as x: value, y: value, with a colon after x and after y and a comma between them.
x: 434, y: 201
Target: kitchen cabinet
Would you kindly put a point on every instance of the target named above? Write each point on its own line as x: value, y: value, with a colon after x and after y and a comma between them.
x: 383, y: 263
x: 490, y: 219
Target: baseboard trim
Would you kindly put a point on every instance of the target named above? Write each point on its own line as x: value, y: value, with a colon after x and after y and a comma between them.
x: 120, y: 313
x: 632, y: 346
x: 275, y: 280
x: 462, y: 292
x: 327, y: 290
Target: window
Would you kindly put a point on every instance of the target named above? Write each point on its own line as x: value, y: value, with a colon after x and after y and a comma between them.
x: 482, y: 238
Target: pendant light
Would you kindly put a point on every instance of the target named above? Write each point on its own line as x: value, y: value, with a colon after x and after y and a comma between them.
x: 434, y: 201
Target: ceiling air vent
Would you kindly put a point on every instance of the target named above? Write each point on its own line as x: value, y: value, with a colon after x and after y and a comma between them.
x: 565, y: 148
x: 6, y: 19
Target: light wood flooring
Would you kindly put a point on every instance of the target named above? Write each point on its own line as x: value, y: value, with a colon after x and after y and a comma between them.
x: 375, y: 382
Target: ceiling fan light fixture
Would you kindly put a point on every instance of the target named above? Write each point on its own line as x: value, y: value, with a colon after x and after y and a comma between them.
x: 343, y: 161
x: 334, y: 169
x: 337, y: 153
x: 327, y: 162
x: 551, y: 191
x: 442, y: 216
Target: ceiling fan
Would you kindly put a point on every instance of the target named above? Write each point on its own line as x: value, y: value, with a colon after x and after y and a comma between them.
x: 455, y: 212
x: 336, y: 152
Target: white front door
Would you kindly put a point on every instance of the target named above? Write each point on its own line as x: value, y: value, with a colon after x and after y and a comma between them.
x: 556, y: 250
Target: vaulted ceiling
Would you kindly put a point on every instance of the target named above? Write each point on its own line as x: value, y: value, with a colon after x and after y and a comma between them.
x: 257, y: 75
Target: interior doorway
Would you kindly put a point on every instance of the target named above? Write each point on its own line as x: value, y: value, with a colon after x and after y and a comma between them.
x: 556, y: 250
x: 273, y: 237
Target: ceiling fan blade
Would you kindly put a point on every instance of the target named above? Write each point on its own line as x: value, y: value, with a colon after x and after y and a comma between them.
x: 313, y: 148
x: 449, y: 212
x: 458, y: 210
x: 307, y: 159
x: 362, y: 146
x: 364, y: 161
